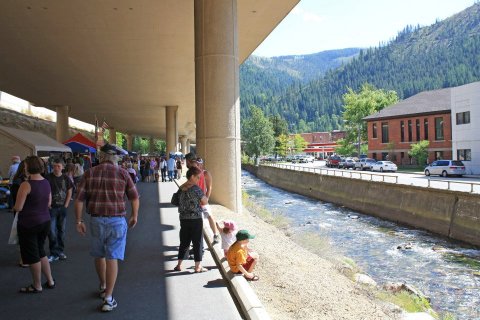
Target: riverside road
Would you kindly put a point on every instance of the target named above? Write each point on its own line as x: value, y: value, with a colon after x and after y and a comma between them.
x: 464, y: 184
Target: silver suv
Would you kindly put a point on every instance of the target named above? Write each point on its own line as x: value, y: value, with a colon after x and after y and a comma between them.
x: 364, y: 164
x: 446, y: 168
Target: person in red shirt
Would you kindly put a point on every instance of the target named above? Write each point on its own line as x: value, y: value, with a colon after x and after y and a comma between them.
x: 205, y: 183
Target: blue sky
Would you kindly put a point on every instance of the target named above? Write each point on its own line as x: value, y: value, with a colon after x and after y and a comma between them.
x: 318, y: 25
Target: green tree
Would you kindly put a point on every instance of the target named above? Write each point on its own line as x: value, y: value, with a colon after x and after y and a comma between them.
x: 358, y: 105
x: 140, y: 145
x: 280, y: 127
x: 344, y: 148
x: 258, y: 133
x: 299, y: 144
x: 419, y: 151
x: 281, y: 145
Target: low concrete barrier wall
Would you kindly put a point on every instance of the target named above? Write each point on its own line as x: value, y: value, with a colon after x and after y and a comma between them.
x: 452, y: 214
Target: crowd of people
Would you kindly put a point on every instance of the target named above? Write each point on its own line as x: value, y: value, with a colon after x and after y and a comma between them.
x: 41, y: 192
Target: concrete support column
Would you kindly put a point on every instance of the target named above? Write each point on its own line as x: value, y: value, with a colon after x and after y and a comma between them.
x: 129, y: 142
x: 188, y: 146
x: 151, y: 145
x: 172, y: 133
x: 217, y: 105
x: 183, y: 143
x: 62, y: 133
x: 112, y: 136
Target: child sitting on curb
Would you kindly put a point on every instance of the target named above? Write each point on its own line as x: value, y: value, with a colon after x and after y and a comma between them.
x: 227, y: 233
x: 240, y: 259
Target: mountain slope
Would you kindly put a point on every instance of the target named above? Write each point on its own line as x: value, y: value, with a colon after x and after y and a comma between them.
x: 262, y: 79
x: 442, y: 55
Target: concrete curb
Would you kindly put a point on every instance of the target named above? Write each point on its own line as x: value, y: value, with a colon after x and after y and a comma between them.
x: 247, y: 298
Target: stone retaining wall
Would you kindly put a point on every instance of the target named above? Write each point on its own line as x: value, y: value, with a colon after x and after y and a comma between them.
x: 448, y: 213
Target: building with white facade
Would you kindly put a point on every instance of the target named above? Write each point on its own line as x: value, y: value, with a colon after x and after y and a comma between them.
x: 465, y: 108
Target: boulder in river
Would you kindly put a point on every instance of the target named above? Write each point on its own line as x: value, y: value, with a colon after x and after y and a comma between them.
x: 405, y: 246
x: 364, y: 279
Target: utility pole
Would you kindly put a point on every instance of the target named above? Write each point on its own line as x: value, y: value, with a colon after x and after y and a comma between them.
x: 359, y: 138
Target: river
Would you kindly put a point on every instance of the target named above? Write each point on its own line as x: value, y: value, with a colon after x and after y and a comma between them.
x: 445, y: 271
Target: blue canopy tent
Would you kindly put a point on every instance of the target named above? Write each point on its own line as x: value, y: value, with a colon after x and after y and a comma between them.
x: 80, y: 148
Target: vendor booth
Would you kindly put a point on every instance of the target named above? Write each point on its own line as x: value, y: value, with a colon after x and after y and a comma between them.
x: 25, y: 143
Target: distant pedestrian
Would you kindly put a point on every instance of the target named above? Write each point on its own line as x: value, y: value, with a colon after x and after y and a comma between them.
x: 171, y: 168
x: 179, y: 168
x: 163, y: 169
x: 11, y: 172
x: 104, y: 188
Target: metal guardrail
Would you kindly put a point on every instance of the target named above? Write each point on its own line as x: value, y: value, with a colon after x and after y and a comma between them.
x: 353, y: 174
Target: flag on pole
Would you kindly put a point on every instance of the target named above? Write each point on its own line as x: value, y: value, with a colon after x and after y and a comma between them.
x: 96, y: 129
x: 104, y: 125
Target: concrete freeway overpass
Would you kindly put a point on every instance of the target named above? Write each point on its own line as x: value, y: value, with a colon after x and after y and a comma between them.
x: 160, y: 68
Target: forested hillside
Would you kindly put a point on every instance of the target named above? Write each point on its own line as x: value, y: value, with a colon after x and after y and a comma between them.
x: 442, y: 55
x: 263, y: 79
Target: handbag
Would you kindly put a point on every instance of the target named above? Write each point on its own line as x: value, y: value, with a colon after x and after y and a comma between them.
x: 176, y: 198
x: 13, y: 239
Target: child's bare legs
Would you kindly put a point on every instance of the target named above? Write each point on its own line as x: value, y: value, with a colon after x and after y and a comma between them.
x: 250, y: 274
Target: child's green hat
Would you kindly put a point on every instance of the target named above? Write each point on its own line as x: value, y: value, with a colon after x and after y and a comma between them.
x: 244, y: 235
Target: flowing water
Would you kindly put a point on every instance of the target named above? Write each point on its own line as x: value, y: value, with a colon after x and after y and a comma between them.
x: 445, y: 271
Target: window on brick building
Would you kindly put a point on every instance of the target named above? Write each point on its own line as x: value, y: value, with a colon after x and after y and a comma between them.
x: 417, y: 129
x: 439, y: 128
x: 384, y: 155
x: 410, y: 133
x: 374, y: 155
x: 374, y: 130
x: 425, y: 128
x: 385, y: 132
x: 464, y: 154
x: 463, y: 117
x: 402, y: 131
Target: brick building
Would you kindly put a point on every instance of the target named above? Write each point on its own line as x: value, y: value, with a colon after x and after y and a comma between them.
x: 424, y: 116
x: 322, y: 144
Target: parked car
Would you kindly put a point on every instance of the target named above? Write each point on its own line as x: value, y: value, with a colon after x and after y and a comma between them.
x: 296, y: 158
x: 384, y: 166
x: 347, y: 163
x: 446, y: 168
x: 333, y: 161
x: 364, y: 164
x: 306, y: 159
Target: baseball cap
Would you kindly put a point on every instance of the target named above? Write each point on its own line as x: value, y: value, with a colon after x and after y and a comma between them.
x: 229, y: 224
x: 244, y: 235
x: 190, y: 156
x: 111, y: 149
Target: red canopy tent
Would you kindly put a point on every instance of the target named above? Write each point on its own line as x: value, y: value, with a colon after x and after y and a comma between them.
x: 80, y: 138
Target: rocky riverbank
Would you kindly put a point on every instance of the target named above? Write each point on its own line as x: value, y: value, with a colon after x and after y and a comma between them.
x: 298, y: 284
